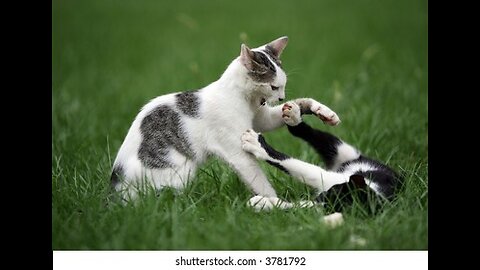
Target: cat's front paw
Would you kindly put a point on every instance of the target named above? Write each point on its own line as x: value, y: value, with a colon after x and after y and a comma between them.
x: 260, y: 203
x: 328, y: 116
x: 291, y: 114
x: 306, y: 204
x: 251, y: 144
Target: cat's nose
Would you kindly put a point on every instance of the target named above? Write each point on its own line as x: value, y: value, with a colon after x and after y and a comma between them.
x: 280, y: 99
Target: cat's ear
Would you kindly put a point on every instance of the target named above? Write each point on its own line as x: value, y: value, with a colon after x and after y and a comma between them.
x: 277, y: 46
x: 246, y: 57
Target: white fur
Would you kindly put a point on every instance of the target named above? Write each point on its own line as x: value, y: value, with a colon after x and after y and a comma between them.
x: 260, y: 203
x: 345, y: 152
x: 333, y: 220
x: 228, y: 107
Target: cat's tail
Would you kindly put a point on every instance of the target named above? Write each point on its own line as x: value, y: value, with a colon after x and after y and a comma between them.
x: 115, y: 178
x: 333, y: 150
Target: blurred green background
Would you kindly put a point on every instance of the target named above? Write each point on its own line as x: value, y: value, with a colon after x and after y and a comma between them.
x: 365, y: 59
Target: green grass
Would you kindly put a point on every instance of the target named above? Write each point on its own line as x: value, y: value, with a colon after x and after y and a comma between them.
x: 367, y: 60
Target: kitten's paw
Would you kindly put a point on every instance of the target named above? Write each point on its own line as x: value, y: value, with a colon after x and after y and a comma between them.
x: 328, y: 116
x: 306, y: 204
x: 251, y: 144
x: 291, y: 114
x: 260, y: 203
x: 333, y: 220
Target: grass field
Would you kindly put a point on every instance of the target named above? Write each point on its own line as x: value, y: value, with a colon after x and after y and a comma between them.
x: 367, y: 60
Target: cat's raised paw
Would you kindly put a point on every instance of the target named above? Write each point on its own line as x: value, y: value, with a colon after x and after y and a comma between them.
x: 291, y: 114
x: 328, y: 116
x: 251, y: 144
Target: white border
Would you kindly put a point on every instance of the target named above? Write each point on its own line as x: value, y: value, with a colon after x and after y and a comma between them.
x: 166, y: 260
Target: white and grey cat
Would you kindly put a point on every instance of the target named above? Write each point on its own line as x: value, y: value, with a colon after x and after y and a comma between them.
x: 175, y: 133
x: 348, y: 171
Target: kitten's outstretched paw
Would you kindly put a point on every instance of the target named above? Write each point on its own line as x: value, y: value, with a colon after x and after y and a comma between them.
x: 260, y: 203
x: 306, y: 204
x: 291, y: 114
x: 251, y: 144
x: 328, y: 116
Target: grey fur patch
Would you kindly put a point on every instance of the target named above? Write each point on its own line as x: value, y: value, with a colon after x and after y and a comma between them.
x: 188, y: 103
x: 263, y: 70
x: 162, y: 130
x: 270, y: 51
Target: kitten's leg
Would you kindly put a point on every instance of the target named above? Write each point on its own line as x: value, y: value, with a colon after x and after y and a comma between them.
x: 311, y: 106
x: 269, y: 118
x: 311, y: 175
x: 264, y: 203
x: 333, y: 150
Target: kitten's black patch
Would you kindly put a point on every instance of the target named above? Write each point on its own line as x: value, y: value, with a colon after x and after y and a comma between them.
x: 386, y: 179
x: 270, y: 151
x: 263, y: 70
x: 161, y: 130
x: 342, y: 195
x: 188, y: 103
x: 270, y: 51
x: 276, y: 164
x: 324, y: 143
x: 117, y: 173
x: 358, y: 180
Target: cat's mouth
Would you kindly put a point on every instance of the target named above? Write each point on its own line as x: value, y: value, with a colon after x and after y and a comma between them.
x: 264, y: 101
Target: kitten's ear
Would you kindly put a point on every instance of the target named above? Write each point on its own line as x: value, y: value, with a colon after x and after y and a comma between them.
x: 358, y: 180
x: 277, y: 46
x: 246, y: 56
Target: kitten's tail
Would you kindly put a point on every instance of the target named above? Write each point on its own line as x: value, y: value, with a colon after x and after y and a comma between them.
x: 116, y: 176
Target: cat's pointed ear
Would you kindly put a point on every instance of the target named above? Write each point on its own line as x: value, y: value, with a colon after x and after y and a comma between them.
x: 277, y: 46
x: 246, y: 57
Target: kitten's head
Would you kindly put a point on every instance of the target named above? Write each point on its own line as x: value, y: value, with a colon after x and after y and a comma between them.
x: 264, y: 69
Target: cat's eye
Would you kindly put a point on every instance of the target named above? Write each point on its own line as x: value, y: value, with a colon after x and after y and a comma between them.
x: 274, y: 87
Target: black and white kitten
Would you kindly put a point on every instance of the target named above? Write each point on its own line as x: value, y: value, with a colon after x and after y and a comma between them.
x: 348, y: 170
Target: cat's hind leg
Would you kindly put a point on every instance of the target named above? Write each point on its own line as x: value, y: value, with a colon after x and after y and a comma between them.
x: 136, y: 178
